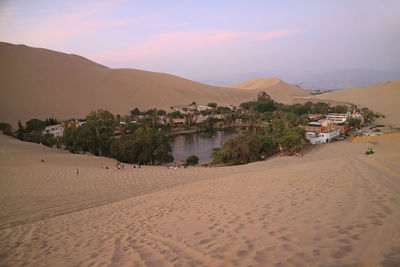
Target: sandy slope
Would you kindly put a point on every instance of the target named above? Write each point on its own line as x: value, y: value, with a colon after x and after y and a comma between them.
x: 335, y: 206
x: 39, y: 83
x: 382, y: 97
x: 279, y: 90
x: 256, y: 83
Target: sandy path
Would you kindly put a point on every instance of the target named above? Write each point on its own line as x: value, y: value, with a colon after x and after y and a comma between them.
x: 335, y: 206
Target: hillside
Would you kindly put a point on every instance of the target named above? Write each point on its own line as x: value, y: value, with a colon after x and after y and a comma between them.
x: 40, y: 83
x: 279, y: 90
x: 381, y: 97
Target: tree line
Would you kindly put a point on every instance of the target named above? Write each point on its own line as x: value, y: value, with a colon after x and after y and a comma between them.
x: 146, y: 141
x: 144, y: 146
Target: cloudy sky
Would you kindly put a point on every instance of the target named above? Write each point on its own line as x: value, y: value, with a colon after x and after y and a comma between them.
x: 202, y: 40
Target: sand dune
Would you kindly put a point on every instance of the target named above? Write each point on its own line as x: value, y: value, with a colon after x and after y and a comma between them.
x: 256, y: 83
x: 279, y: 90
x: 382, y: 97
x: 278, y: 212
x: 40, y: 83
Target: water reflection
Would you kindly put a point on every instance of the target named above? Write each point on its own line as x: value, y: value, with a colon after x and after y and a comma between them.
x: 200, y: 144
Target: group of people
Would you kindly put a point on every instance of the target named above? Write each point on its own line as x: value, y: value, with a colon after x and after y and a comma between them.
x: 174, y: 166
x: 117, y: 166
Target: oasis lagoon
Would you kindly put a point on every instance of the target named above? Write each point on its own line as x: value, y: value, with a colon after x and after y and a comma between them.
x: 200, y: 144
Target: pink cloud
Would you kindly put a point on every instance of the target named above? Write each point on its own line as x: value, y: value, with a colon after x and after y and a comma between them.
x: 58, y: 28
x: 277, y: 34
x: 180, y: 41
x: 223, y: 36
x: 67, y: 28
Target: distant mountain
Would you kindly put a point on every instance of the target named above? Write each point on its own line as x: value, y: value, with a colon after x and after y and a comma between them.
x: 342, y: 79
x: 40, y: 83
x: 279, y: 90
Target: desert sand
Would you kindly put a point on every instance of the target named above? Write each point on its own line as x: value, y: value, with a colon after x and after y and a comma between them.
x: 335, y: 206
x: 381, y: 97
x: 40, y: 83
x: 279, y: 90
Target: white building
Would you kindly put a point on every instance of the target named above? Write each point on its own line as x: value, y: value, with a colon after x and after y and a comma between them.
x: 322, y: 138
x: 202, y: 107
x: 56, y: 130
x: 338, y: 117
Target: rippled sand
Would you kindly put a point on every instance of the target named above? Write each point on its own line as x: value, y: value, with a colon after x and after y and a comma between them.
x: 334, y: 206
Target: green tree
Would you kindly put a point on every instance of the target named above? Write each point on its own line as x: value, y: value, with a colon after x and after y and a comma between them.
x: 216, y: 155
x: 263, y: 97
x: 300, y: 109
x: 6, y: 128
x: 35, y: 125
x: 48, y: 140
x: 135, y: 112
x: 88, y: 140
x: 50, y: 121
x: 268, y: 146
x: 292, y: 137
x: 20, y: 132
x: 161, y: 112
x: 354, y: 122
x: 102, y: 123
x: 368, y: 115
x: 151, y: 146
x: 247, y: 105
x: 241, y: 149
x: 339, y: 109
x: 192, y: 160
x: 208, y: 124
x: 265, y: 106
x: 70, y: 139
x: 321, y: 108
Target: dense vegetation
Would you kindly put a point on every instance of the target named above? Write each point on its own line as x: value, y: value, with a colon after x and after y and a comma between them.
x: 192, y: 160
x: 6, y: 128
x: 141, y: 136
x: 97, y: 136
x: 248, y: 147
x: 284, y: 130
x: 33, y: 131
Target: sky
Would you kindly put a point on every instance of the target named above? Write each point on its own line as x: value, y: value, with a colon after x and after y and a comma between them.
x: 213, y: 40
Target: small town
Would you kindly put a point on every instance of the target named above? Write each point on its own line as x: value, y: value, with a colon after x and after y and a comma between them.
x: 275, y: 128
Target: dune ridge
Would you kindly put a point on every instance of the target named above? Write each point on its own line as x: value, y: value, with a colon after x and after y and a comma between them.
x: 40, y: 83
x: 275, y: 212
x: 279, y: 90
x: 256, y: 83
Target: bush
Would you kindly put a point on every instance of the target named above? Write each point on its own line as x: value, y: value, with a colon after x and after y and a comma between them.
x: 6, y: 128
x: 265, y: 106
x: 192, y: 160
x: 241, y: 149
x: 292, y: 137
x: 216, y: 155
x: 353, y: 122
x: 268, y: 146
x: 35, y: 125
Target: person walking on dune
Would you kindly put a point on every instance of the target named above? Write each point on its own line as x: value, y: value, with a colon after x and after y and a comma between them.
x: 77, y: 172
